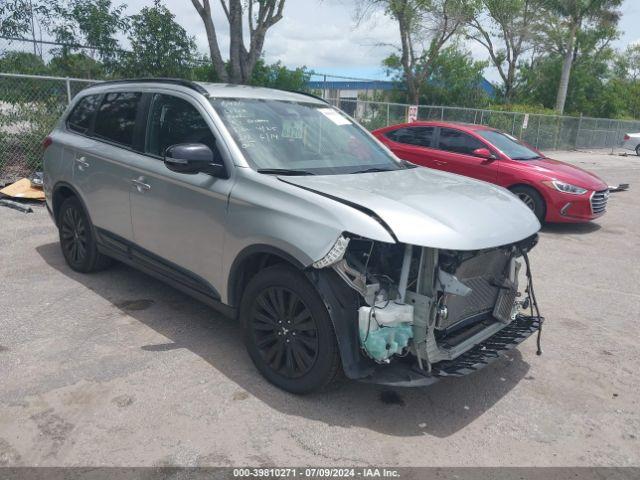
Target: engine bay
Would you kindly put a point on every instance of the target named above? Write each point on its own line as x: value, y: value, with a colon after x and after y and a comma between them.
x: 432, y: 305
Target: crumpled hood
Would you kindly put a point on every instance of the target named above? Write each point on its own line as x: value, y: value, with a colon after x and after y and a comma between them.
x: 430, y: 208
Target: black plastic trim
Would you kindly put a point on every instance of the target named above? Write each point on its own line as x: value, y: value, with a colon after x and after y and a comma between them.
x: 235, y: 271
x: 184, y: 280
x: 173, y: 81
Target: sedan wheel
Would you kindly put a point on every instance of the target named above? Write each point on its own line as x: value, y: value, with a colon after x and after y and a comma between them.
x: 527, y: 200
x: 532, y: 199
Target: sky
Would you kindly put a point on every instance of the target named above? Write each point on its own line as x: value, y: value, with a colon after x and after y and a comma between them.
x: 324, y: 36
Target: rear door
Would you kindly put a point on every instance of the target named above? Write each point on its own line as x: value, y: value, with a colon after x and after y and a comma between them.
x: 454, y: 153
x: 102, y: 155
x: 413, y: 144
x: 180, y: 218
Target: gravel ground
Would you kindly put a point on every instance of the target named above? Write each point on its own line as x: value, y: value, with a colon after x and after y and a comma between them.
x: 116, y: 368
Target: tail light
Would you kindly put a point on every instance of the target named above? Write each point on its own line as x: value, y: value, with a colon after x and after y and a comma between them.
x: 46, y: 142
x: 626, y: 137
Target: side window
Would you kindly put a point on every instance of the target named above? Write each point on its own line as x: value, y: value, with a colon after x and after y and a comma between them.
x: 173, y: 120
x: 420, y: 136
x: 116, y: 118
x: 459, y: 142
x: 79, y: 120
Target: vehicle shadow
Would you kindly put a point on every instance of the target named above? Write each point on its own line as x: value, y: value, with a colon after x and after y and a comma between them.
x: 439, y: 410
x: 573, y: 228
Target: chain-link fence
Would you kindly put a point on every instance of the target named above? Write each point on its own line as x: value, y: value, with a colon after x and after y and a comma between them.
x: 546, y: 132
x: 30, y: 106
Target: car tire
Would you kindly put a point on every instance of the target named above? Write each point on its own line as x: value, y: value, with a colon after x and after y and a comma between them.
x: 531, y: 199
x: 288, y: 332
x: 638, y: 150
x: 77, y: 238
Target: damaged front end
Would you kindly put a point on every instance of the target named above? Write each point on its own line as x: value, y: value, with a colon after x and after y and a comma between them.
x: 406, y: 315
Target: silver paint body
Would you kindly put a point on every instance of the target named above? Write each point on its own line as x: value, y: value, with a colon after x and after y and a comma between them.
x: 202, y: 223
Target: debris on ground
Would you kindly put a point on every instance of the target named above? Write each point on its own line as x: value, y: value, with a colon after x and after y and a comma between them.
x: 24, y: 189
x: 5, y: 202
x: 623, y: 187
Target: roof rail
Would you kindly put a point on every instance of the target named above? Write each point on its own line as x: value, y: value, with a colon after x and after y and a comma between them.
x: 173, y: 81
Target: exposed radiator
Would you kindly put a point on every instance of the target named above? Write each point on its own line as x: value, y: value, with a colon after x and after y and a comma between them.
x: 483, y: 274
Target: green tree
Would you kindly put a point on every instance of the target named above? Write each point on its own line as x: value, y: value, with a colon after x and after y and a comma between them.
x: 277, y: 75
x: 258, y: 16
x: 569, y: 21
x: 505, y: 28
x: 455, y: 79
x: 160, y: 47
x: 22, y: 62
x: 425, y: 27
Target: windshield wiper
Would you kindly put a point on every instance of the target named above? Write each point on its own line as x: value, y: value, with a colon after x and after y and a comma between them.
x: 283, y: 171
x: 371, y: 170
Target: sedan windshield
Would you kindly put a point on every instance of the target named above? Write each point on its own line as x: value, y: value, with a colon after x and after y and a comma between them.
x: 508, y: 145
x: 292, y: 138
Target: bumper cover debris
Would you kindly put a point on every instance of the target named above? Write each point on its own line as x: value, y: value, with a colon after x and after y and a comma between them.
x: 407, y: 375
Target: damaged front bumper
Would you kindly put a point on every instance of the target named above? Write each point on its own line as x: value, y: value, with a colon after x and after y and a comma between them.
x: 407, y: 316
x: 405, y: 374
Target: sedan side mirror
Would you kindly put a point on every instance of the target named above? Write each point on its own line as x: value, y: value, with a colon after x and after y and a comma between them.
x: 194, y: 158
x: 484, y: 153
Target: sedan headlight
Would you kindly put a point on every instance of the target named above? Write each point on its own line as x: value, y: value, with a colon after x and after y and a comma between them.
x: 565, y: 187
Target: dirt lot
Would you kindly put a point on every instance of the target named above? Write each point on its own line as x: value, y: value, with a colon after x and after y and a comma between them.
x: 116, y: 368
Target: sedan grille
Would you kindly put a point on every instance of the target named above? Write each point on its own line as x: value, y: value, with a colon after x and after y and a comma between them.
x: 599, y: 201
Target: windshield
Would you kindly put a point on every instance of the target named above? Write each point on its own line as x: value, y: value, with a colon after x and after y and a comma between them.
x: 509, y: 145
x: 300, y: 138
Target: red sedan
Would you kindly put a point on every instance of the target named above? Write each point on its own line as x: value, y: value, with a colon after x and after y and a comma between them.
x: 555, y: 191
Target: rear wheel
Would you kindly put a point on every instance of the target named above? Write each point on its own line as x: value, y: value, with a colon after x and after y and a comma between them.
x: 532, y: 199
x: 77, y: 238
x: 288, y: 331
x: 638, y: 150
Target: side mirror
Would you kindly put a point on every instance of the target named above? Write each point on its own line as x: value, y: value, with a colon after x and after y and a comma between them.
x: 194, y: 158
x: 484, y: 153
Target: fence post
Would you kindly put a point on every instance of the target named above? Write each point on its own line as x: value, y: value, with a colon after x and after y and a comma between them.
x: 538, y: 132
x: 68, y: 82
x: 441, y: 113
x: 324, y: 90
x: 575, y: 143
x: 513, y: 126
x: 388, y: 119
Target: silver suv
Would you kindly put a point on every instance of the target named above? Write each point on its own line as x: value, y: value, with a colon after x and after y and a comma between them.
x: 281, y: 211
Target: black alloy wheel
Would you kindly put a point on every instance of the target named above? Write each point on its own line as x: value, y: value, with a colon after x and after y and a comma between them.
x: 73, y: 236
x: 288, y: 331
x: 77, y: 239
x: 285, y: 332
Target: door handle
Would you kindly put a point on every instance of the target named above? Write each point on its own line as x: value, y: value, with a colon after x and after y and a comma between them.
x: 140, y: 185
x: 82, y: 163
x: 440, y: 163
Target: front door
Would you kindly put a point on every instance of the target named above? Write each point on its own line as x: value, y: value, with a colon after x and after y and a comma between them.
x: 180, y: 218
x: 454, y: 154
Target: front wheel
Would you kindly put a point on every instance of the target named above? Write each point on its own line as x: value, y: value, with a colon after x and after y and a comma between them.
x: 638, y: 150
x: 288, y: 332
x: 532, y: 199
